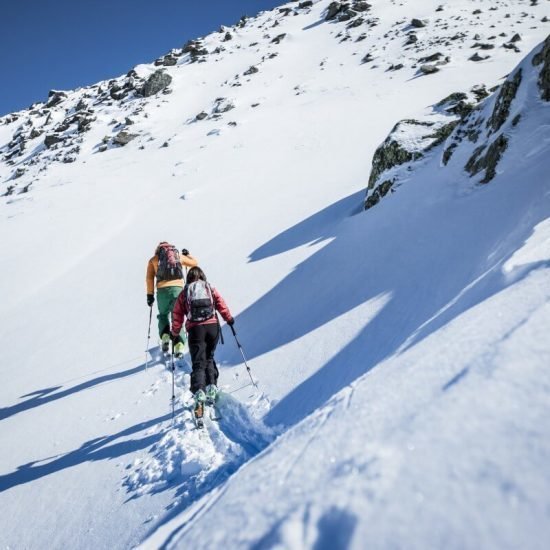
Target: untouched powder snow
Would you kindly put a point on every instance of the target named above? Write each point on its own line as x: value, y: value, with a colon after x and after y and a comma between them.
x: 401, y: 352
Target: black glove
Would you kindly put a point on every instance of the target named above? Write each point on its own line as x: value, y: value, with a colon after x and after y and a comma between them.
x: 150, y: 299
x: 231, y: 322
x: 185, y: 252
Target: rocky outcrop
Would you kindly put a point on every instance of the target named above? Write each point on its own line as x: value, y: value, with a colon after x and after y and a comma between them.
x: 504, y: 100
x: 156, y: 83
x: 55, y: 98
x: 487, y: 158
x: 476, y: 137
x: 543, y: 58
x: 390, y: 154
x: 124, y: 137
x: 195, y: 49
x: 52, y: 139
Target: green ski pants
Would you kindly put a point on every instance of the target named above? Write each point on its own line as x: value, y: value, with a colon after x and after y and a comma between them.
x: 166, y: 299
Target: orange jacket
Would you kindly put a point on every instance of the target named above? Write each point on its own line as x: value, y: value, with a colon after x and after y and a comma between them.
x: 152, y: 267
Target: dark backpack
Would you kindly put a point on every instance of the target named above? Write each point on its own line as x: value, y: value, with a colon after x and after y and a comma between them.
x: 169, y: 268
x: 200, y: 301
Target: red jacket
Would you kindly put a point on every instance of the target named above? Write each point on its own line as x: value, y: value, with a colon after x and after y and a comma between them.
x: 181, y: 309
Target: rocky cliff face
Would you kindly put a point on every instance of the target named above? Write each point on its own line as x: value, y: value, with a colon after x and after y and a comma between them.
x: 480, y: 128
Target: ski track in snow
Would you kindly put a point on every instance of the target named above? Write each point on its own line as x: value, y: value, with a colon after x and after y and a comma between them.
x: 407, y: 410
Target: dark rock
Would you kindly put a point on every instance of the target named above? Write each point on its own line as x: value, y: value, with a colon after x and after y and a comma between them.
x: 169, y: 61
x: 157, y: 82
x: 165, y: 144
x: 278, y: 38
x: 515, y: 38
x: 85, y: 122
x: 418, y: 23
x: 431, y: 58
x: 201, y: 116
x: 543, y: 57
x: 346, y: 15
x: 228, y: 36
x: 477, y: 57
x: 35, y: 133
x: 367, y: 59
x: 483, y: 46
x: 195, y: 50
x: 397, y: 67
x: 123, y: 138
x: 453, y: 98
x: 223, y: 105
x: 448, y: 153
x: 251, y: 70
x: 545, y: 19
x: 381, y: 191
x: 388, y: 155
x: 476, y: 12
x: 504, y: 100
x: 461, y: 108
x: 489, y: 161
x: 102, y: 148
x: 55, y: 98
x: 411, y: 39
x: 361, y: 6
x: 51, y: 140
x: 18, y: 173
x: 510, y: 46
x: 80, y: 105
x: 442, y: 133
x: 516, y: 120
x: 333, y: 10
x: 480, y: 92
x: 356, y: 23
x: 306, y: 4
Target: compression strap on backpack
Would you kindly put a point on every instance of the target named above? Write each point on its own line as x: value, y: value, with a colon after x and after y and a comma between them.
x: 219, y: 327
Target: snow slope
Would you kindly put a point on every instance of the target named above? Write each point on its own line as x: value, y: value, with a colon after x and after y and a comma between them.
x: 405, y: 410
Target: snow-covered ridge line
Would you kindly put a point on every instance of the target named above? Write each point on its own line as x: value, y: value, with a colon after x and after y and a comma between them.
x: 58, y: 129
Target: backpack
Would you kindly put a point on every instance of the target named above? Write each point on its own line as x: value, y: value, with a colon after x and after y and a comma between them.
x: 169, y: 268
x: 200, y: 301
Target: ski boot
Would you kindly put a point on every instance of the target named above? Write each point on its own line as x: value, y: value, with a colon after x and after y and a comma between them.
x: 165, y: 343
x: 211, y: 394
x: 178, y: 350
x: 200, y: 398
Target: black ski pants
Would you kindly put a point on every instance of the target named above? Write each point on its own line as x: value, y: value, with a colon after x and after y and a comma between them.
x: 202, y: 344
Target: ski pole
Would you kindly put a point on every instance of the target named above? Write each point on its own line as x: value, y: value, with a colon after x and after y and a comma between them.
x: 173, y: 385
x: 244, y: 358
x: 148, y: 338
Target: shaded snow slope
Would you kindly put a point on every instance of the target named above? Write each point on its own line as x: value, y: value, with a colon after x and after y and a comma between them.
x: 263, y: 190
x: 443, y: 444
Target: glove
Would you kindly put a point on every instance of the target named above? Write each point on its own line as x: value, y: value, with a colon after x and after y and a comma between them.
x: 185, y: 252
x: 150, y: 299
x: 231, y: 322
x: 175, y: 338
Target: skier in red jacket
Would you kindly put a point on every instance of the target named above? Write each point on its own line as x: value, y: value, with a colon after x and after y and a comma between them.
x: 198, y: 302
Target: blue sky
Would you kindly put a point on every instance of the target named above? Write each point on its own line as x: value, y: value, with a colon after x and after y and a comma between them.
x: 63, y: 44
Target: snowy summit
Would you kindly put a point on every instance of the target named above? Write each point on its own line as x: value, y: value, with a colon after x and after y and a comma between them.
x: 366, y: 186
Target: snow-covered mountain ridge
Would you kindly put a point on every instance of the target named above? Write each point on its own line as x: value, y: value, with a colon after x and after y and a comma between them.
x: 401, y: 352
